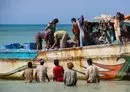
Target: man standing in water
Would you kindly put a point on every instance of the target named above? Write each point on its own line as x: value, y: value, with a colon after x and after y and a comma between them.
x: 70, y: 76
x: 92, y: 73
x: 41, y: 72
x: 28, y: 73
x: 58, y: 72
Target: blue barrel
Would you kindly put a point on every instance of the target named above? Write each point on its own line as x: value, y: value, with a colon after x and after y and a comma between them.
x: 32, y: 45
x: 9, y: 46
x: 16, y: 46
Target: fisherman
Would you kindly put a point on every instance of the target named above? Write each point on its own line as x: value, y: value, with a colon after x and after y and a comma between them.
x: 52, y: 25
x: 38, y: 39
x: 110, y: 32
x: 103, y: 31
x: 76, y: 31
x: 49, y: 34
x: 103, y: 38
x: 82, y: 35
x: 58, y: 72
x: 88, y: 39
x: 60, y: 38
x: 41, y: 72
x: 70, y: 76
x: 48, y: 37
x: 117, y: 29
x: 92, y: 73
x: 28, y: 73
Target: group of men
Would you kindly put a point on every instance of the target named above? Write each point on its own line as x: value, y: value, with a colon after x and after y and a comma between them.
x: 69, y: 77
x: 93, y: 33
x: 53, y: 39
x: 107, y: 32
x: 47, y: 35
x: 60, y: 39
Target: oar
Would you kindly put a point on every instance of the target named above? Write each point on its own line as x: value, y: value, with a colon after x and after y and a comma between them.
x: 16, y: 70
x: 78, y: 71
x: 82, y: 66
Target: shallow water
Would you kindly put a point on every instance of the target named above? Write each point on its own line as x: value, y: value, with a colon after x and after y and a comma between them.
x: 82, y: 86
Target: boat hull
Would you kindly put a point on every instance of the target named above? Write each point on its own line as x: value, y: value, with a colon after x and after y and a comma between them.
x: 112, y: 61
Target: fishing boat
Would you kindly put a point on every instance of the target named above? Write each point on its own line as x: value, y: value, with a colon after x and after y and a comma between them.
x: 113, y: 61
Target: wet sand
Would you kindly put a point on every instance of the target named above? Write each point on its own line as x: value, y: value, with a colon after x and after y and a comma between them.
x: 82, y: 86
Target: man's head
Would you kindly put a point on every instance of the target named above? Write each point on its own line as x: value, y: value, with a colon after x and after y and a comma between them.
x: 73, y: 20
x: 89, y: 61
x: 29, y: 64
x: 81, y: 20
x: 70, y: 65
x: 41, y: 62
x: 55, y: 21
x: 56, y: 62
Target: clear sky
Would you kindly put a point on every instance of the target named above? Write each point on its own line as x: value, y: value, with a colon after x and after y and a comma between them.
x: 42, y: 11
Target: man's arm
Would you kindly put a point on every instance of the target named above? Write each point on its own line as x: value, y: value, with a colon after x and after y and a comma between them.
x: 54, y: 78
x: 87, y: 74
x: 47, y: 78
x: 64, y: 78
x: 98, y: 77
x: 36, y: 79
x: 23, y: 74
x: 55, y: 43
x: 75, y: 77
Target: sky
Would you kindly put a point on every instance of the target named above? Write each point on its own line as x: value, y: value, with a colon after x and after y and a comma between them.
x: 42, y: 11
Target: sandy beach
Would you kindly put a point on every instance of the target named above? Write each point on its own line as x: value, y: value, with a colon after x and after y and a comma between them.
x: 82, y: 86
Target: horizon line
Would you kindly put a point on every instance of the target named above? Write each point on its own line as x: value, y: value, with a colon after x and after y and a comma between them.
x: 33, y: 24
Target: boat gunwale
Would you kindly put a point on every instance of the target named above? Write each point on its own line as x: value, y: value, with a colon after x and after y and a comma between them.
x: 85, y: 47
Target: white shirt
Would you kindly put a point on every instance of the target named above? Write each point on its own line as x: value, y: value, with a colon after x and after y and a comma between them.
x: 92, y: 74
x: 41, y: 72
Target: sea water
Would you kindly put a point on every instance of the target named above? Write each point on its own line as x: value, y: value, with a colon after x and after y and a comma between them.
x: 25, y: 33
x: 82, y: 86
